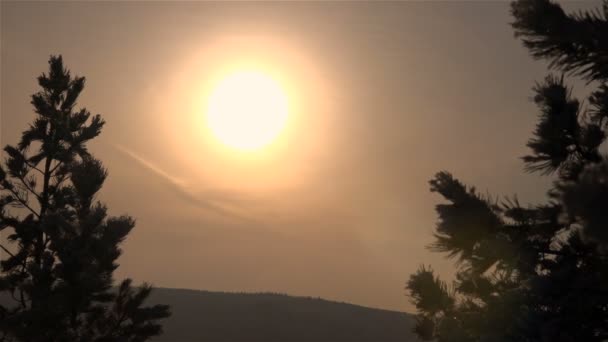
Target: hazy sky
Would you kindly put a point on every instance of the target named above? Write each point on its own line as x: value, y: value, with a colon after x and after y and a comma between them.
x: 383, y: 94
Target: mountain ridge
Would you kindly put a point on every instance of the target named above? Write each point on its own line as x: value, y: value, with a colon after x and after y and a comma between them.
x: 200, y: 315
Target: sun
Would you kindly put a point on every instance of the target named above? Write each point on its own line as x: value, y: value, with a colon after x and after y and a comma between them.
x: 247, y: 110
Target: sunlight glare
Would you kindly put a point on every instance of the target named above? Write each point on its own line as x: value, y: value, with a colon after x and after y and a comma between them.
x: 247, y: 110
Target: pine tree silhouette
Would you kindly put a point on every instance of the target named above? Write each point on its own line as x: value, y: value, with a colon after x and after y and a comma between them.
x: 62, y: 247
x: 537, y: 273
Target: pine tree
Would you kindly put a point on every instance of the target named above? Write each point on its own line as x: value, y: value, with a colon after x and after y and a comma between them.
x: 533, y: 273
x: 62, y: 246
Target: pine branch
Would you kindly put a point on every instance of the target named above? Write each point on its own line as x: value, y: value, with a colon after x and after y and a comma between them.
x: 28, y: 188
x: 7, y: 251
x: 59, y: 163
x: 33, y: 167
x: 23, y: 202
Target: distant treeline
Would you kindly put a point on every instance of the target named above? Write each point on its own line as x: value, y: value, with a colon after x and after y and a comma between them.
x: 220, y: 316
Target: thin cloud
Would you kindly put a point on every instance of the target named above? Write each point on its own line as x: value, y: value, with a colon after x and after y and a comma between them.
x: 178, y: 185
x: 175, y: 181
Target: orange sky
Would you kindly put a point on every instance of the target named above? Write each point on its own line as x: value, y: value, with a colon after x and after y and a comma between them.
x: 385, y: 95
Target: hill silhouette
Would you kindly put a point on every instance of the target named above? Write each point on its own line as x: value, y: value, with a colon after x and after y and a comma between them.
x: 220, y: 316
x: 235, y: 317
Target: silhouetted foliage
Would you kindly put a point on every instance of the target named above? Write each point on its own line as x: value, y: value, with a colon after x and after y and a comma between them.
x: 537, y: 273
x: 62, y: 247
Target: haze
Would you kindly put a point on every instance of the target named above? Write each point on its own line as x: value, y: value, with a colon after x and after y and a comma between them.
x: 385, y: 94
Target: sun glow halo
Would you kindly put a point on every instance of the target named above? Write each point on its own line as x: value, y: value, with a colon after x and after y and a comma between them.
x: 247, y: 110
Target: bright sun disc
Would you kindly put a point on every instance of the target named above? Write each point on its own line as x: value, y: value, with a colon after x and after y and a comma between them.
x: 247, y: 110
